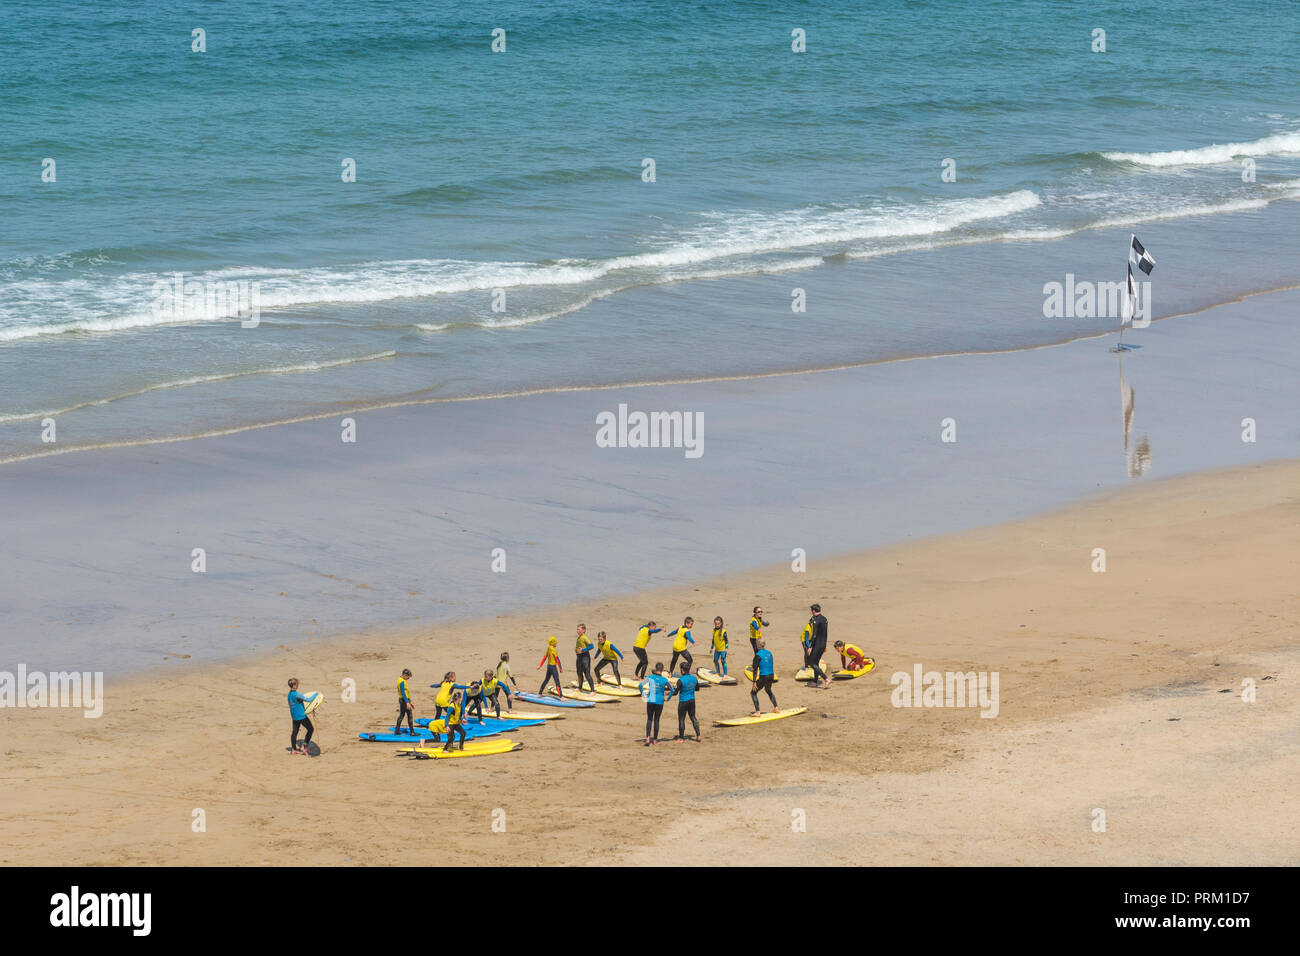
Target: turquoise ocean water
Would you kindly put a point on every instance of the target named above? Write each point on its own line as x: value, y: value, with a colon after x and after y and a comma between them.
x: 515, y: 178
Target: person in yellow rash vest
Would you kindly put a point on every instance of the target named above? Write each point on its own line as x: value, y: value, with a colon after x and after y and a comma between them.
x: 681, y: 637
x: 609, y: 657
x: 756, y: 625
x: 805, y: 639
x: 643, y: 635
x: 552, y: 661
x: 851, y: 656
x: 583, y: 648
x: 455, y: 724
x: 719, y: 647
x: 491, y: 686
x: 445, y: 689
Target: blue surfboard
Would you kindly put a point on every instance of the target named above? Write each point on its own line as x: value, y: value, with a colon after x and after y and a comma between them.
x: 552, y: 701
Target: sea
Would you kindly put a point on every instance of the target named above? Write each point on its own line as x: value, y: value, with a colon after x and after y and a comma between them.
x: 218, y: 216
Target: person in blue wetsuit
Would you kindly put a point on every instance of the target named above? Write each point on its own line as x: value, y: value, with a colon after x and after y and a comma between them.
x: 764, y: 671
x: 655, y: 690
x: 687, y: 684
x: 298, y: 713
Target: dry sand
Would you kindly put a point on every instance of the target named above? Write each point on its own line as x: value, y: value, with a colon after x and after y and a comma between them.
x: 1120, y: 691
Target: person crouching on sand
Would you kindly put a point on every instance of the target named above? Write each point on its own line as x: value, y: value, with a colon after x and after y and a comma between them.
x: 764, y: 671
x: 298, y: 713
x: 719, y: 647
x: 506, y: 678
x: 455, y: 722
x: 851, y: 656
x: 552, y: 661
x: 656, y: 691
x: 583, y: 647
x: 609, y: 657
x: 405, y: 706
x: 686, y: 687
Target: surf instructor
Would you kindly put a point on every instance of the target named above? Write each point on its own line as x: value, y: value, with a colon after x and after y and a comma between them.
x: 818, y: 646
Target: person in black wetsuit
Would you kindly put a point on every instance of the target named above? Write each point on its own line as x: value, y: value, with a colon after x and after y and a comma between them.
x: 818, y: 647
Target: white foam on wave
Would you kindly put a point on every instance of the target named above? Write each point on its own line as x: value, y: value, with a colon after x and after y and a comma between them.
x: 1277, y: 145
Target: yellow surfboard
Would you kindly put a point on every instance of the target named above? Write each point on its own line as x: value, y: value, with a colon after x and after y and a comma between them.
x: 764, y: 718
x: 609, y: 691
x: 532, y: 715
x: 314, y: 700
x: 574, y: 694
x: 749, y: 675
x: 626, y: 682
x: 475, y: 748
x: 849, y: 675
x: 713, y: 677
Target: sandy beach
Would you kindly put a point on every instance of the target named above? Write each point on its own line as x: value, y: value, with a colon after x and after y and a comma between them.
x: 1119, y: 690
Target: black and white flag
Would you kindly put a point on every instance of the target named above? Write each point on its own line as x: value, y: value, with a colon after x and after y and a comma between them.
x: 1140, y: 257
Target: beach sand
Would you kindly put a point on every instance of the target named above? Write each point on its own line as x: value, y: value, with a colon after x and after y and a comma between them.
x: 1119, y: 690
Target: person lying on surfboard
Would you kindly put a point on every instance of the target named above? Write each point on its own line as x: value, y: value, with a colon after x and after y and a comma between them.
x: 764, y: 670
x: 851, y: 656
x: 405, y: 706
x: 609, y: 657
x: 719, y: 647
x: 552, y: 661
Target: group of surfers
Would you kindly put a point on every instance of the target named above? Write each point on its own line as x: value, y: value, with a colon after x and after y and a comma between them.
x: 455, y: 703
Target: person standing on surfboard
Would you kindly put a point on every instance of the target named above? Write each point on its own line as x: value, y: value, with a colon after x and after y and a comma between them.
x: 491, y: 690
x: 445, y: 690
x: 851, y: 656
x: 643, y: 635
x: 552, y: 661
x: 405, y: 706
x: 818, y: 647
x: 655, y: 690
x: 756, y: 625
x: 474, y: 700
x: 719, y: 647
x: 298, y: 713
x: 686, y: 687
x: 584, y: 648
x: 681, y: 637
x: 455, y: 722
x: 505, y: 677
x: 609, y: 657
x: 764, y: 670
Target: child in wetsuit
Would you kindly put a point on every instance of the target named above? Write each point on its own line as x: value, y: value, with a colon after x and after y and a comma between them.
x: 609, y: 657
x: 552, y: 661
x: 687, y: 684
x: 764, y: 671
x: 298, y: 714
x: 405, y: 706
x: 719, y: 647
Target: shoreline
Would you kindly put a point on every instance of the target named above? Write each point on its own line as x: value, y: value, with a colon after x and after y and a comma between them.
x: 306, y: 535
x: 1114, y: 694
x: 356, y: 409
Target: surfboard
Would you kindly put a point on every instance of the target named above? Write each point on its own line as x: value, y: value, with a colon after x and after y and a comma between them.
x: 552, y: 701
x: 713, y: 677
x: 806, y: 673
x: 626, y: 682
x: 529, y: 716
x: 614, y: 693
x: 485, y: 749
x: 742, y: 721
x: 314, y: 700
x: 749, y: 675
x: 492, y: 725
x: 576, y: 694
x: 849, y: 675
